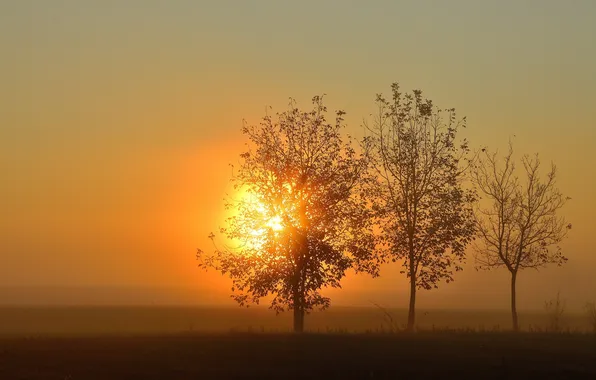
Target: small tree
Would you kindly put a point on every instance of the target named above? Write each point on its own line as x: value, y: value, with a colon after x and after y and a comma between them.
x: 591, y: 314
x: 305, y: 219
x: 426, y: 214
x: 520, y: 227
x: 555, y: 309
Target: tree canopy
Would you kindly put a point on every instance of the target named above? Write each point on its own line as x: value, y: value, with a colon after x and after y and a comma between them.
x: 304, y: 218
x: 519, y: 226
x: 426, y: 214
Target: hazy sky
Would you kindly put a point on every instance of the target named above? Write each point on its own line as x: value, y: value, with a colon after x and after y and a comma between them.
x: 118, y: 120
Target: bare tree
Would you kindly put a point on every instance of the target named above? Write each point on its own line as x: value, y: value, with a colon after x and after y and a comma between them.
x: 426, y: 216
x: 555, y: 310
x: 519, y: 226
x: 306, y: 219
x: 591, y: 314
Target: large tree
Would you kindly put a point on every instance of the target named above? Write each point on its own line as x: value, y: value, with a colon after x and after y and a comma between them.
x: 303, y: 219
x: 517, y: 222
x: 426, y: 214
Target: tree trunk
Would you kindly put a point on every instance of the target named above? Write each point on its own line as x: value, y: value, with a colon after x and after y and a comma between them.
x: 412, y: 307
x: 298, y: 320
x: 298, y: 313
x: 298, y: 302
x: 513, y: 302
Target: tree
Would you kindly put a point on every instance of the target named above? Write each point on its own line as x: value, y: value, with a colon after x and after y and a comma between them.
x: 519, y: 228
x: 426, y: 214
x: 304, y: 219
x: 555, y: 308
x: 591, y: 314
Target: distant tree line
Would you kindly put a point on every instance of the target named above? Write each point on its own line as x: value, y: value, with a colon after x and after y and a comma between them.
x: 313, y: 202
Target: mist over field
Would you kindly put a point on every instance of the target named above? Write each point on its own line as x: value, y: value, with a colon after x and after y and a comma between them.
x: 457, y: 296
x: 129, y: 320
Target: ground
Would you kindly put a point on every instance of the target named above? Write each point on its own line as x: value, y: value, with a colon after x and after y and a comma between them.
x: 496, y: 355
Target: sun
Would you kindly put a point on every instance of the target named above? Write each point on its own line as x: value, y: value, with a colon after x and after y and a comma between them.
x: 262, y: 219
x: 275, y: 223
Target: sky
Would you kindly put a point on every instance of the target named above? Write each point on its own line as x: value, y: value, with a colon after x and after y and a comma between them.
x: 118, y: 120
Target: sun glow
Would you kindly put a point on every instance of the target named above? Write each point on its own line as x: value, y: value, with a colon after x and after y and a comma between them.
x: 261, y: 221
x: 275, y: 223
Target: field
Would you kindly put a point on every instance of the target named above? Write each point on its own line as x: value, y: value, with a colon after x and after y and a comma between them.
x: 36, y: 321
x: 194, y: 343
x: 311, y: 356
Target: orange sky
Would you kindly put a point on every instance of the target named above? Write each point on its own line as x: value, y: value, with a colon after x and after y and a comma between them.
x: 118, y: 122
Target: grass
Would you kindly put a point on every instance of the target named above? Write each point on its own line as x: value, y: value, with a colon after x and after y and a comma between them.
x: 447, y: 353
x: 197, y: 343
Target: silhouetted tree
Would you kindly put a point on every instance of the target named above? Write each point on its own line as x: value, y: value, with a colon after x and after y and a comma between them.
x: 305, y: 219
x: 591, y: 314
x: 425, y: 213
x: 555, y: 308
x: 519, y: 227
